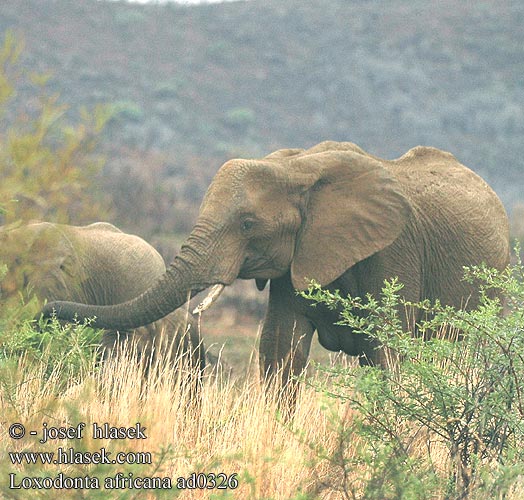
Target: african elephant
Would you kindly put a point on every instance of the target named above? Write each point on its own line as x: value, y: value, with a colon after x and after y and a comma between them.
x: 340, y: 216
x: 96, y: 264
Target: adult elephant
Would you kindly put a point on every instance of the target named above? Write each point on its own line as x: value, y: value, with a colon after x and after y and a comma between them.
x: 96, y: 264
x: 340, y: 216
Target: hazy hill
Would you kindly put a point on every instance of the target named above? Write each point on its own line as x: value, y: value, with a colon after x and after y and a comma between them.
x: 196, y: 85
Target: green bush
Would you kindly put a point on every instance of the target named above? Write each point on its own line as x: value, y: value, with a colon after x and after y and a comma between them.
x: 128, y: 111
x: 239, y: 118
x: 47, y: 164
x: 68, y: 347
x: 447, y: 417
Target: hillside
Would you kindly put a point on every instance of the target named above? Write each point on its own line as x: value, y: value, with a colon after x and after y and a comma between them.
x: 195, y: 85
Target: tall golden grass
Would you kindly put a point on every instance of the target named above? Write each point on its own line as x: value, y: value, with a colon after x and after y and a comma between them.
x: 234, y: 428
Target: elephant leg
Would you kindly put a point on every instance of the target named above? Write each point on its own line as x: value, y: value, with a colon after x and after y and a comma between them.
x: 284, y: 343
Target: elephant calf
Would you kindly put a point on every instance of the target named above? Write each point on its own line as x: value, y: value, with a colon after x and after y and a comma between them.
x: 96, y: 264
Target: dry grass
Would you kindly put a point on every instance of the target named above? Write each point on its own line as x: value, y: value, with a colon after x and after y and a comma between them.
x: 234, y: 429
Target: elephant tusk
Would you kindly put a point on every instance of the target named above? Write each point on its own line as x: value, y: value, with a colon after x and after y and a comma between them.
x: 210, y: 298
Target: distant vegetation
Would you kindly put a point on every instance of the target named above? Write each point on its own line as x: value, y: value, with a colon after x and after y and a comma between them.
x: 192, y: 86
x: 48, y: 166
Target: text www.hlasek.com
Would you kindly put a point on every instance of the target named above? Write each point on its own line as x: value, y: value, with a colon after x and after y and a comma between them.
x: 70, y: 456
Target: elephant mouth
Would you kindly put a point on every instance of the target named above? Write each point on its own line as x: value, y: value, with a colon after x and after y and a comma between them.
x: 260, y: 268
x: 252, y: 268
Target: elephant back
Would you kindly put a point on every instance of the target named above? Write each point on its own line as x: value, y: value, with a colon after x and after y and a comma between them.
x: 459, y: 220
x: 124, y: 265
x: 453, y: 202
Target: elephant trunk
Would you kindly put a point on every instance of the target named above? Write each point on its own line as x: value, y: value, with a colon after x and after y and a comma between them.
x: 185, y: 277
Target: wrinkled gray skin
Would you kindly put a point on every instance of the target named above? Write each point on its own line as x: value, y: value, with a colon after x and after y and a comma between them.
x: 95, y: 264
x: 338, y: 215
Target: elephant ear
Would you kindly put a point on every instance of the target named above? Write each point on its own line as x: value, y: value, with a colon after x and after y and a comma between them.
x: 355, y: 208
x: 59, y: 271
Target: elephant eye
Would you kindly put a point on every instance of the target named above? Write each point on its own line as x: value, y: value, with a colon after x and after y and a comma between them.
x: 246, y: 225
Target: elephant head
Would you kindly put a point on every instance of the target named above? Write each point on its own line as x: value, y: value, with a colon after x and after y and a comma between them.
x: 49, y: 275
x: 312, y: 214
